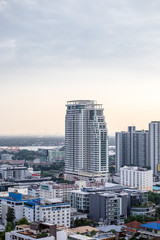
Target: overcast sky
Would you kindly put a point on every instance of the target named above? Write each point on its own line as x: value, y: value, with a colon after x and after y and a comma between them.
x: 52, y: 51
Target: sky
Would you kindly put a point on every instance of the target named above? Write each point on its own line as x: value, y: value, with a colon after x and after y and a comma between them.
x: 53, y: 51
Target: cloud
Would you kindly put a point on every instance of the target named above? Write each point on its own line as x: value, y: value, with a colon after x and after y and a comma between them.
x: 59, y: 33
x: 3, y: 5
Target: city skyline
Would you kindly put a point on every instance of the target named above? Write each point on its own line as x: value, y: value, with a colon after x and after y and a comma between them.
x: 55, y: 51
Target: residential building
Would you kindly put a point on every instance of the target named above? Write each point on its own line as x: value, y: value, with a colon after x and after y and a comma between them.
x: 86, y: 138
x: 40, y: 230
x: 150, y: 230
x: 79, y: 199
x: 140, y: 178
x: 108, y: 207
x: 35, y: 209
x: 132, y: 227
x: 132, y: 148
x: 34, y: 190
x: 154, y: 146
x: 14, y: 201
x: 51, y: 211
x: 6, y: 156
x: 82, y: 201
x: 52, y: 190
x: 55, y: 155
x: 19, y: 189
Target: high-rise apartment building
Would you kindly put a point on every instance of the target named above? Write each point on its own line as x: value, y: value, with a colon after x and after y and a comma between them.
x: 86, y: 138
x: 140, y: 178
x: 154, y: 146
x: 132, y: 148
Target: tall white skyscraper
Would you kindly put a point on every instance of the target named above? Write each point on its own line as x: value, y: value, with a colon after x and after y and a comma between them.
x: 86, y: 138
x: 154, y: 146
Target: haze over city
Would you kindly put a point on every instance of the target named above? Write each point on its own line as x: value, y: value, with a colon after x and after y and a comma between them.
x: 54, y: 51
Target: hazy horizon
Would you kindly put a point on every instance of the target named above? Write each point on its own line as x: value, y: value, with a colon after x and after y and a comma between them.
x: 55, y: 51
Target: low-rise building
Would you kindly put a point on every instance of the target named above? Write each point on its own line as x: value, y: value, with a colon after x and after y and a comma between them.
x: 35, y: 209
x: 11, y: 172
x: 6, y: 156
x: 54, y: 211
x: 151, y: 229
x: 132, y: 227
x: 79, y: 199
x: 34, y: 190
x: 40, y: 230
x: 52, y: 190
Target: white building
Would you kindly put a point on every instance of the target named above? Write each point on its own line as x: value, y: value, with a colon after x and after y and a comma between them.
x: 11, y: 172
x: 86, y: 138
x: 19, y: 189
x: 14, y: 201
x: 140, y: 178
x: 79, y: 199
x: 53, y: 211
x: 53, y: 190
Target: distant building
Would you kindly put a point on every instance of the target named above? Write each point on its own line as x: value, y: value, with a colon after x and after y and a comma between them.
x: 135, y: 177
x: 6, y: 156
x: 132, y: 148
x: 86, y: 138
x: 11, y: 172
x: 55, y: 155
x: 154, y: 146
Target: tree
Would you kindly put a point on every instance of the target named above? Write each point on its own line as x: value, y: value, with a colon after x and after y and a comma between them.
x: 22, y: 221
x: 9, y: 227
x: 154, y: 197
x: 92, y: 233
x: 10, y: 215
x: 2, y: 235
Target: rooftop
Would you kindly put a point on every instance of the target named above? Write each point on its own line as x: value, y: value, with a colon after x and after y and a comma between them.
x: 133, y: 225
x: 152, y: 225
x: 84, y: 229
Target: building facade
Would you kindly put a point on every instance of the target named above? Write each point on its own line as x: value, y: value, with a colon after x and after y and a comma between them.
x: 132, y: 148
x: 86, y: 138
x: 53, y: 212
x: 108, y: 207
x: 140, y: 178
x: 53, y: 190
x: 154, y: 146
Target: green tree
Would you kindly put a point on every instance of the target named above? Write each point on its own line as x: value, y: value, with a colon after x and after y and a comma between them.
x: 10, y: 215
x: 92, y: 233
x: 2, y: 235
x: 22, y: 221
x: 9, y: 227
x: 154, y: 197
